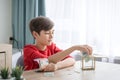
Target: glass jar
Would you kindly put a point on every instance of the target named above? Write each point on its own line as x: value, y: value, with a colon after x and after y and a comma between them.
x: 88, y: 62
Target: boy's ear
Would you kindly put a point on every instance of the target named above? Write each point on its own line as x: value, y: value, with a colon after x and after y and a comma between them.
x: 35, y: 34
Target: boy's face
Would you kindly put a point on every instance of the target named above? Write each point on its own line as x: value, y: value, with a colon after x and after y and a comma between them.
x: 44, y: 37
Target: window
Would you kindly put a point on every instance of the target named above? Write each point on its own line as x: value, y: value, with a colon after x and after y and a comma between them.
x: 93, y: 22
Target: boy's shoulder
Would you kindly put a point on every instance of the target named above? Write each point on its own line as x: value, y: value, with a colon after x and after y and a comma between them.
x: 33, y: 46
x: 30, y: 46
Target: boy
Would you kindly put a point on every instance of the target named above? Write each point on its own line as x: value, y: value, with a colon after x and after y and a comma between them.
x: 42, y: 30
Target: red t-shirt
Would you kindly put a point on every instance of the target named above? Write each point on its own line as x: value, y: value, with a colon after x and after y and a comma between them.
x: 31, y: 52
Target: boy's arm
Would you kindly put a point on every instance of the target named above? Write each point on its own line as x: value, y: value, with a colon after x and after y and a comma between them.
x: 61, y: 55
x: 65, y: 63
x: 59, y: 65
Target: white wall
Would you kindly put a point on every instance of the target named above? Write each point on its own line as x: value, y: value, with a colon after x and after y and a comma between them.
x: 5, y: 20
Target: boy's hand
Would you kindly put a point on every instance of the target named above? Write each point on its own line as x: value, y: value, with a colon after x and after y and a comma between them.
x: 89, y: 49
x: 84, y: 48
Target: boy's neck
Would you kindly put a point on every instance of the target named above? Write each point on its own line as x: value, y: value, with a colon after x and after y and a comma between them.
x: 41, y: 47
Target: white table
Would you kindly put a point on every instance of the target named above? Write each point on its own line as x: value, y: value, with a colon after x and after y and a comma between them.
x: 103, y: 71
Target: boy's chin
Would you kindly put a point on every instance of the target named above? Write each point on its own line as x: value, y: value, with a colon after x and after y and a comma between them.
x: 49, y: 43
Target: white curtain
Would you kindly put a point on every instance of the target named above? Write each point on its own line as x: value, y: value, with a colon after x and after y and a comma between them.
x: 93, y: 22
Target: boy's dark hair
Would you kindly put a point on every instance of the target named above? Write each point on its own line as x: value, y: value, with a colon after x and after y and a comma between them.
x: 40, y: 23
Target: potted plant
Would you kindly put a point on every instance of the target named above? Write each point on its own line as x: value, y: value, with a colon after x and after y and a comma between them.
x: 5, y: 74
x: 17, y: 73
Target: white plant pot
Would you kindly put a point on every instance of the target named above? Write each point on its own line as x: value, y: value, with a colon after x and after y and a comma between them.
x: 13, y: 78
